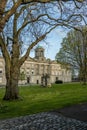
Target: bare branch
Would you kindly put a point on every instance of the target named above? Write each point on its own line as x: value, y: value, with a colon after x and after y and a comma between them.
x: 47, y: 1
x: 21, y: 61
x: 4, y: 50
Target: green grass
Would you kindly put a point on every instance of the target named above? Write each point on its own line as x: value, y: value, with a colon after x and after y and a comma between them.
x: 37, y: 99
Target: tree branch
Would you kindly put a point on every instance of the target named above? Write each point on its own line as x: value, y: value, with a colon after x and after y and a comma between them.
x: 4, y: 50
x: 22, y: 59
x: 46, y: 1
x: 27, y: 22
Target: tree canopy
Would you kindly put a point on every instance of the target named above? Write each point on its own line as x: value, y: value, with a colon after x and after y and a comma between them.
x: 74, y: 51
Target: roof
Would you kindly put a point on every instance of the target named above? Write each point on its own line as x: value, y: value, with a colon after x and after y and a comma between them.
x: 39, y: 47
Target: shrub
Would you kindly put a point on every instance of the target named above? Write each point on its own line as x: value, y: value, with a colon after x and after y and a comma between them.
x: 58, y: 82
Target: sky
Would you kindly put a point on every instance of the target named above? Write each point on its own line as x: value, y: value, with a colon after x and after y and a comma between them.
x: 52, y: 43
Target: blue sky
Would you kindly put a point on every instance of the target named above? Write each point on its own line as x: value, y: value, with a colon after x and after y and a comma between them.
x: 52, y: 43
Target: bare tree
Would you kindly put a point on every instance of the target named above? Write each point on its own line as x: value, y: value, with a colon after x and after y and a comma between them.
x: 6, y: 14
x: 13, y: 39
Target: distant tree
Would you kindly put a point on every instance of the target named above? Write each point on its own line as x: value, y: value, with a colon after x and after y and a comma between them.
x: 74, y: 51
x: 22, y: 76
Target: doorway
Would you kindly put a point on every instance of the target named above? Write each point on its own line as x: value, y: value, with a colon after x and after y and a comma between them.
x: 28, y: 80
x: 37, y: 81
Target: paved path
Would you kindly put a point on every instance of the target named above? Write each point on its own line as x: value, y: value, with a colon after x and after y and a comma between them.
x: 78, y: 111
x: 43, y: 121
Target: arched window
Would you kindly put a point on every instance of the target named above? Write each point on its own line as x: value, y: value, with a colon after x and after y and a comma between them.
x: 41, y: 53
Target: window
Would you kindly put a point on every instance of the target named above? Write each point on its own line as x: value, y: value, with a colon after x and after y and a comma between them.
x: 56, y: 78
x: 32, y: 71
x: 0, y: 71
x: 28, y: 73
x: 42, y: 53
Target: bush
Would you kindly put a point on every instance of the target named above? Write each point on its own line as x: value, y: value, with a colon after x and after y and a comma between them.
x: 58, y: 82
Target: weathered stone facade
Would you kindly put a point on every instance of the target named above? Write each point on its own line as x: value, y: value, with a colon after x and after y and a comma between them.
x: 2, y: 72
x: 33, y: 70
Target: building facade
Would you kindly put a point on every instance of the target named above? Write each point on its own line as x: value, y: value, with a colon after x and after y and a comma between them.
x: 33, y: 69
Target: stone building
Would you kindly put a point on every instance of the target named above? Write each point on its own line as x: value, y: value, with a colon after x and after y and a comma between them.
x: 2, y: 72
x: 35, y: 68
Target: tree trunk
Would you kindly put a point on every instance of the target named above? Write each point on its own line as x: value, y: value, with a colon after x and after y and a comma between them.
x: 12, y: 90
x: 84, y: 77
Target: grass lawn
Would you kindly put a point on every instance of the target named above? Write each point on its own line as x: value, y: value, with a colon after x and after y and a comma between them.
x: 37, y: 99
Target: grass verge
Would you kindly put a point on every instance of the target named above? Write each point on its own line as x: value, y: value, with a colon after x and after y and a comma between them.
x: 37, y: 99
